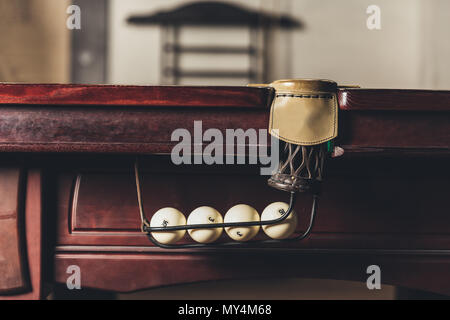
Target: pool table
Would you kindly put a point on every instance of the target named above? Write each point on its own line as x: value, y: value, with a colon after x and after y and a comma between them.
x: 68, y: 193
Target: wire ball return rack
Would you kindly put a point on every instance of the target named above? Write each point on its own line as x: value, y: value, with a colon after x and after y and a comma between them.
x: 298, y: 106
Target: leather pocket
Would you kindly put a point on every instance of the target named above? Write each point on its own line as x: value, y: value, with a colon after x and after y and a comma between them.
x: 304, y: 118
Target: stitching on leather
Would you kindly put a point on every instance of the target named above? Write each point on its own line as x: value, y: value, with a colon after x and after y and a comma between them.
x: 305, y: 96
x: 302, y: 142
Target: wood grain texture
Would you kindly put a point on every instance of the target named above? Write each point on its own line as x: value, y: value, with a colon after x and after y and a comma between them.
x: 386, y: 131
x: 196, y: 96
x: 140, y: 120
x: 13, y: 269
x: 393, y: 100
x: 34, y: 253
x: 134, y: 131
x: 134, y: 272
x: 156, y: 96
x: 112, y: 130
x: 372, y: 211
x: 389, y: 207
x: 383, y: 202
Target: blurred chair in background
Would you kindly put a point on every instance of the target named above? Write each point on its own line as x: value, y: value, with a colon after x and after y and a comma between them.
x: 210, y: 15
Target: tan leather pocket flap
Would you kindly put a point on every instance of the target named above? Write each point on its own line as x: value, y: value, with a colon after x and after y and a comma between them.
x: 304, y: 118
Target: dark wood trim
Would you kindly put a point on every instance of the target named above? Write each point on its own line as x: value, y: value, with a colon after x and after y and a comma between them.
x: 13, y: 268
x: 157, y: 96
x: 33, y: 239
x: 393, y: 100
x: 34, y: 235
x: 135, y: 130
x: 134, y: 272
x: 196, y: 96
x: 262, y: 250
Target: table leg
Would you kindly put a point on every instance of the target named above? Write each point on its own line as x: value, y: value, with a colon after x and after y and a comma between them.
x: 20, y: 234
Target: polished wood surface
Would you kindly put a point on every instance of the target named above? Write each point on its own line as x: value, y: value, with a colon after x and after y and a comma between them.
x: 12, y: 269
x: 125, y: 272
x: 393, y: 100
x: 384, y: 202
x: 372, y: 211
x: 140, y: 120
x: 197, y: 96
x: 366, y: 203
x: 156, y: 96
x: 33, y: 234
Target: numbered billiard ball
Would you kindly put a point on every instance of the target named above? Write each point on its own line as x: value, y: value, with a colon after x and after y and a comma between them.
x: 168, y: 217
x: 205, y: 215
x: 284, y: 229
x: 242, y: 213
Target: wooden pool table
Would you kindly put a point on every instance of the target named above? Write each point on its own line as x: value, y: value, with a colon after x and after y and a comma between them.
x: 68, y: 194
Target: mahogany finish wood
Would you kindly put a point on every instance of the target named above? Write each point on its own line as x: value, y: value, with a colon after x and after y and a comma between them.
x: 383, y: 203
x: 12, y: 268
x: 35, y: 235
x: 140, y: 120
x: 111, y: 130
x: 393, y: 100
x: 189, y: 96
x: 366, y: 203
x: 136, y: 271
x: 32, y: 230
x: 156, y: 96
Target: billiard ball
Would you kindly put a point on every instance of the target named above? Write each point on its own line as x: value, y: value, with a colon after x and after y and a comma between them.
x: 205, y: 215
x: 242, y: 213
x: 284, y: 229
x: 168, y: 217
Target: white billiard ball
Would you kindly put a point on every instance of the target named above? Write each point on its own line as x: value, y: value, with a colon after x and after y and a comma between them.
x: 168, y: 217
x: 242, y: 213
x: 282, y: 230
x: 205, y: 215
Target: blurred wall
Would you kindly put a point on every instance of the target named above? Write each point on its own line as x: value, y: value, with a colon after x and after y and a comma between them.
x: 410, y: 51
x: 134, y: 51
x: 338, y: 44
x: 35, y: 43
